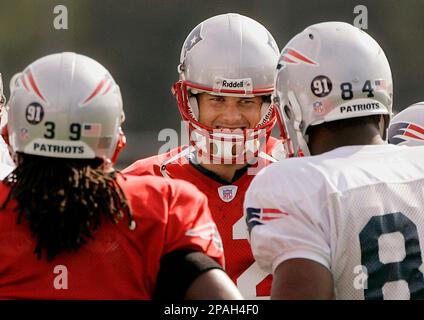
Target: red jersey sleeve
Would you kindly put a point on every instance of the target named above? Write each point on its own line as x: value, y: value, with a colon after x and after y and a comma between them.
x: 190, y: 223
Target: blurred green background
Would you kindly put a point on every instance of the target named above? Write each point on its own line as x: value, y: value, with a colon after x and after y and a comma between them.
x: 140, y: 41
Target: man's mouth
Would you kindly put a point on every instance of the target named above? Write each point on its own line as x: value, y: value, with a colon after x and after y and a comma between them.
x: 230, y: 128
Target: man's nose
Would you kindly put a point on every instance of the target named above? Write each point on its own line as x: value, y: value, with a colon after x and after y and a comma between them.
x: 232, y: 111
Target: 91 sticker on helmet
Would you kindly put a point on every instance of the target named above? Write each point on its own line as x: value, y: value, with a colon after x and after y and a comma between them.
x: 328, y: 72
x: 65, y: 106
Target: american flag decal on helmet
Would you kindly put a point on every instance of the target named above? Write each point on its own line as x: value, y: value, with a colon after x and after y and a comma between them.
x: 404, y: 131
x: 207, y: 231
x: 380, y: 85
x: 291, y: 56
x: 257, y: 216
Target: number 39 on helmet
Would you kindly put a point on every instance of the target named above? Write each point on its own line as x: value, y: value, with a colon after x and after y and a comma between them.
x: 66, y: 106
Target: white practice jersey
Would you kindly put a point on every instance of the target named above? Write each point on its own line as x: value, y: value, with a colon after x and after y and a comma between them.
x: 5, y: 170
x: 6, y: 163
x: 357, y: 210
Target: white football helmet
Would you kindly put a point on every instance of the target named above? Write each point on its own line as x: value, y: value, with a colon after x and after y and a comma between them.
x: 65, y: 106
x: 331, y: 71
x: 407, y: 127
x: 227, y: 55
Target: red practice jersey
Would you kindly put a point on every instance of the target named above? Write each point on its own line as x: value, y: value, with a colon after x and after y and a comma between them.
x: 119, y: 263
x: 226, y: 205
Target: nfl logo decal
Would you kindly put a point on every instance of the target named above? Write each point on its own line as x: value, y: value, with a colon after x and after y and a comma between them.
x: 318, y: 107
x: 227, y: 193
x: 23, y: 134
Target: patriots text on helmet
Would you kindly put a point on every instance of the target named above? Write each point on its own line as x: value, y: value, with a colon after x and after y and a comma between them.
x: 360, y: 107
x: 44, y: 147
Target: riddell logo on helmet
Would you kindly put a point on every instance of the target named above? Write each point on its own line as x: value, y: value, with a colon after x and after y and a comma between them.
x: 233, y: 84
x: 245, y: 84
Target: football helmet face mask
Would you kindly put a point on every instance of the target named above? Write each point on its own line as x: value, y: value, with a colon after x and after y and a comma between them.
x: 65, y: 106
x: 407, y: 127
x: 328, y: 72
x: 227, y: 55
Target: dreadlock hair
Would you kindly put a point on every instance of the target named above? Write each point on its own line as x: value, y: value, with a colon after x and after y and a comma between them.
x: 64, y: 200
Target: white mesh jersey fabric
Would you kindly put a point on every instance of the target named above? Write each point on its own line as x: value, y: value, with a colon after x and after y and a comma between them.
x: 4, y: 154
x: 358, y: 210
x: 6, y: 163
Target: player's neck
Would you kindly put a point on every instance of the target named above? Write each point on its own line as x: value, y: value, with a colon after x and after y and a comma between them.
x: 224, y: 171
x: 326, y: 140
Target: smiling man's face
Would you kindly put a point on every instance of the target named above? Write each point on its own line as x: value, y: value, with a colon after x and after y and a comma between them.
x: 221, y: 112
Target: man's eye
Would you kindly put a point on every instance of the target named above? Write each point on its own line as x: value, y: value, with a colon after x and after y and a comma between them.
x: 217, y: 99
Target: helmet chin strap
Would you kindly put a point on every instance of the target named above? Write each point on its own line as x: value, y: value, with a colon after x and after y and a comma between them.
x: 383, y: 127
x: 301, y: 141
x: 193, y: 107
x: 120, y: 145
x: 186, y: 152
